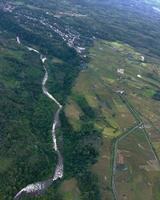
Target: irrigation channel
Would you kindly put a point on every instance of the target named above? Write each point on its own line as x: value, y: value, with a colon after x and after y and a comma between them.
x: 39, y: 187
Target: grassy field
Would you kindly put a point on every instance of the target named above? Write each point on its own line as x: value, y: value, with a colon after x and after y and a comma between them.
x: 70, y: 190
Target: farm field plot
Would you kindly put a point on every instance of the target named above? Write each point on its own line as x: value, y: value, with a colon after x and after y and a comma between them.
x: 137, y: 168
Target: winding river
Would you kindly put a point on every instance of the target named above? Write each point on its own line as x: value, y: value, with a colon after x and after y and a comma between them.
x: 39, y: 187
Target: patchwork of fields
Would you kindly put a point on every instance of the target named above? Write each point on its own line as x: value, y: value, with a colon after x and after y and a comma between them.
x: 118, y: 87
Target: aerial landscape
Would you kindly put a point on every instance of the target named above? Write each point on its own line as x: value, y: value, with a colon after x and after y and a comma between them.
x: 80, y: 99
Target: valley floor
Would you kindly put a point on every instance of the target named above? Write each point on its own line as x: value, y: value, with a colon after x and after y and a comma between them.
x: 118, y: 87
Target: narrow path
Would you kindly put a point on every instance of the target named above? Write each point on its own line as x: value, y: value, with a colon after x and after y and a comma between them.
x: 39, y: 187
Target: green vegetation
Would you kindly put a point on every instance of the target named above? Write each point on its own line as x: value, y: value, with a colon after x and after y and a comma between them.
x: 156, y: 96
x: 26, y: 120
x: 121, y: 57
x: 27, y: 116
x: 80, y: 152
x: 70, y: 190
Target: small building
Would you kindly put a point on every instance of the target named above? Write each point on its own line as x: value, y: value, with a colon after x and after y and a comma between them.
x: 139, y: 76
x: 120, y: 71
x: 121, y: 162
x: 142, y: 58
x: 120, y: 91
x: 120, y: 158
